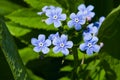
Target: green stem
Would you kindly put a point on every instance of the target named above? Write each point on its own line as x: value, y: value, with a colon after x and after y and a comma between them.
x: 75, y: 55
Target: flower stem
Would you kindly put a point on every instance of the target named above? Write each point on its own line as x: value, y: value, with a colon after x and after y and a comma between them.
x: 75, y: 55
x: 82, y: 62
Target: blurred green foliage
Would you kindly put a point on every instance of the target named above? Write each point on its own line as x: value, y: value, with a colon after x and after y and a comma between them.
x: 23, y: 23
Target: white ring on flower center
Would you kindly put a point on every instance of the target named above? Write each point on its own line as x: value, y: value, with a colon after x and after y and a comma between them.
x: 40, y: 44
x: 76, y: 20
x: 55, y: 17
x: 89, y: 45
x: 61, y: 45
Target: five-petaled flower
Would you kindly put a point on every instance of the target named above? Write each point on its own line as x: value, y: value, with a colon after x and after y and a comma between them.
x: 55, y: 16
x: 77, y: 20
x: 61, y: 44
x: 90, y: 46
x: 41, y: 44
x: 86, y: 11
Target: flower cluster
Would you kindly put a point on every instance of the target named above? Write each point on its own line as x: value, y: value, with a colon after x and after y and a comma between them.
x: 77, y: 20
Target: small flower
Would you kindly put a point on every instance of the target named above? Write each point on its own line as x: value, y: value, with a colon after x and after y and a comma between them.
x: 61, y: 44
x: 86, y: 11
x: 53, y: 36
x: 45, y: 8
x: 90, y: 46
x: 41, y: 44
x: 55, y: 17
x: 98, y: 24
x: 77, y: 21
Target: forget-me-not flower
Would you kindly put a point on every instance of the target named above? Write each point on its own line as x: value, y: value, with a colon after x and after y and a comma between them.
x: 86, y: 11
x: 53, y: 36
x: 90, y: 46
x: 45, y: 8
x: 61, y: 45
x: 55, y: 16
x: 41, y: 44
x: 76, y: 20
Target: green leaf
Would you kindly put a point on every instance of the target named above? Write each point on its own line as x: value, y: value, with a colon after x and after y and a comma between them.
x: 11, y: 54
x: 38, y: 4
x: 7, y: 7
x: 16, y: 29
x: 66, y: 68
x: 109, y: 34
x: 29, y: 18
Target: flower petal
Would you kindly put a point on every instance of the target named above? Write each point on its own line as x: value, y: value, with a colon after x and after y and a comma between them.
x: 94, y: 40
x: 34, y: 41
x: 72, y: 15
x: 81, y: 7
x: 37, y: 49
x: 69, y: 44
x: 47, y: 42
x: 49, y: 21
x: 45, y: 50
x: 64, y: 38
x: 70, y: 24
x: 62, y: 17
x: 65, y: 51
x: 89, y: 51
x: 56, y: 49
x: 87, y: 36
x: 90, y: 8
x: 91, y: 14
x: 96, y: 48
x: 56, y: 41
x: 49, y: 13
x: 41, y: 37
x: 83, y: 47
x: 57, y: 23
x: 77, y: 26
x: 58, y: 10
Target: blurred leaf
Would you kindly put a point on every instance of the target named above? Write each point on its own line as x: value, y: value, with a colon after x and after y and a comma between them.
x: 29, y: 18
x: 7, y: 7
x: 11, y: 54
x: 64, y: 78
x: 66, y: 68
x: 38, y: 4
x: 28, y: 54
x: 16, y: 29
x: 109, y: 34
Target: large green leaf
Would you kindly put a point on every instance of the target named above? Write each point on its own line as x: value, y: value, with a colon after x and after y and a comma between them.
x: 11, y: 54
x: 109, y: 34
x: 29, y: 18
x: 38, y: 4
x: 7, y: 7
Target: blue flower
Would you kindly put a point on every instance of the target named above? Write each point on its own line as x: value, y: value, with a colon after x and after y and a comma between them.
x: 77, y: 21
x: 90, y: 46
x: 53, y: 36
x: 41, y: 44
x: 55, y: 17
x: 98, y: 23
x: 45, y: 8
x: 86, y: 11
x: 61, y: 44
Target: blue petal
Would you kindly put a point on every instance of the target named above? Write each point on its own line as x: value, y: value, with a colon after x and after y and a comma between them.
x: 77, y: 26
x: 45, y: 50
x: 81, y: 7
x: 87, y: 36
x: 56, y: 41
x: 57, y: 23
x: 41, y: 37
x: 64, y: 38
x: 94, y: 40
x: 34, y: 41
x: 37, y: 49
x: 91, y: 14
x: 56, y: 49
x: 62, y: 17
x: 49, y: 13
x: 47, y: 42
x: 83, y: 47
x: 96, y: 48
x: 69, y: 44
x: 49, y: 21
x: 89, y: 51
x: 90, y: 8
x: 58, y: 10
x: 72, y: 15
x: 70, y: 24
x: 44, y: 8
x: 65, y: 51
